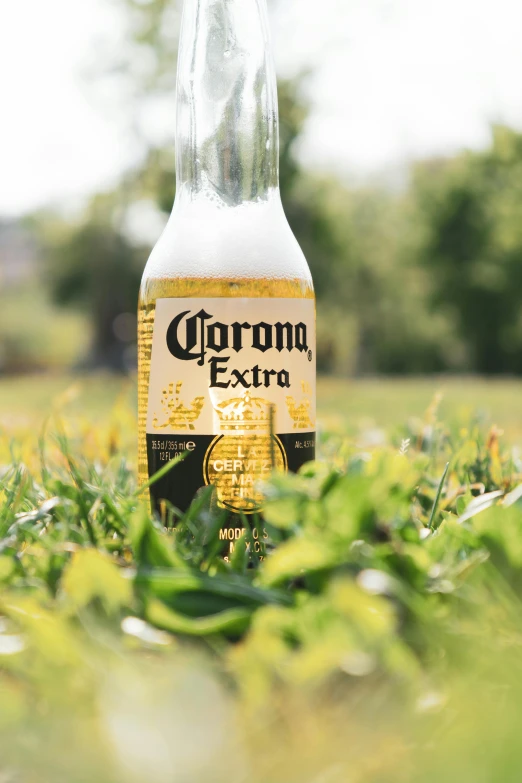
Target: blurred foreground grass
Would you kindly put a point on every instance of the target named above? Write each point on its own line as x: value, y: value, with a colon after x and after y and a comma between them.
x: 380, y: 641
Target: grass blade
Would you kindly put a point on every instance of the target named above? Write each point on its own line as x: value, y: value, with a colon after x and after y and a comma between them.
x: 437, y: 497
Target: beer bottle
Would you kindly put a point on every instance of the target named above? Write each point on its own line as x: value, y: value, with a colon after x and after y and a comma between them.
x: 227, y: 307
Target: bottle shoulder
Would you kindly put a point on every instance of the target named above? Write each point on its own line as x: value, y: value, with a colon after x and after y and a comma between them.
x: 249, y: 242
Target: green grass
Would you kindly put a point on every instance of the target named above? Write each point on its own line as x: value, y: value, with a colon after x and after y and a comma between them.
x: 31, y: 399
x: 348, y: 405
x: 380, y: 640
x: 345, y: 406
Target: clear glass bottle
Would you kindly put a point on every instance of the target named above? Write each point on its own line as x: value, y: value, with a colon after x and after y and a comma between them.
x: 226, y: 310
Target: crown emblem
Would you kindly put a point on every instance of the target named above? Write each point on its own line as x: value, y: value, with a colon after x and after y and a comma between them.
x: 245, y: 414
x: 244, y: 453
x: 178, y: 416
x: 301, y: 413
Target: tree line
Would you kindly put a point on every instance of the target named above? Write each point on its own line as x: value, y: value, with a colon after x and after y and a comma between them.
x: 424, y: 279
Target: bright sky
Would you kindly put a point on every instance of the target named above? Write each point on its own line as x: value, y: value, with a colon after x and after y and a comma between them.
x: 393, y: 80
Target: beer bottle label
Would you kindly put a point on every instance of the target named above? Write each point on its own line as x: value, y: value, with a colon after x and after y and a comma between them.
x: 232, y: 385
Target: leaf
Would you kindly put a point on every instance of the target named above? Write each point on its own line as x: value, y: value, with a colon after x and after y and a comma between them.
x: 161, y: 473
x: 8, y: 568
x: 150, y: 546
x: 513, y: 497
x: 372, y: 614
x: 480, y: 504
x: 39, y: 513
x: 92, y: 574
x: 231, y: 622
x: 500, y: 530
x: 240, y: 556
x: 166, y: 582
x: 296, y: 558
x: 49, y: 634
x: 347, y: 504
x: 437, y: 497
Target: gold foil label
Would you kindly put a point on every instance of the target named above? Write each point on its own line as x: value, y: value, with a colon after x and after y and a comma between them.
x: 175, y: 413
x: 245, y: 454
x: 241, y: 370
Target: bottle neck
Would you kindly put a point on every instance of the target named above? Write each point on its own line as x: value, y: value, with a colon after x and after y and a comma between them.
x: 227, y: 139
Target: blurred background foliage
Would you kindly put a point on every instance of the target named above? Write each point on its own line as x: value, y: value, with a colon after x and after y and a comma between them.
x: 424, y: 277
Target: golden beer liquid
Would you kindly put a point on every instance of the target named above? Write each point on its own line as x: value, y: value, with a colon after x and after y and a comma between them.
x: 153, y: 289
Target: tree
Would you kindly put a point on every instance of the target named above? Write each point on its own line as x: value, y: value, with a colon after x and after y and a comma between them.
x: 94, y: 266
x: 470, y: 209
x: 370, y: 287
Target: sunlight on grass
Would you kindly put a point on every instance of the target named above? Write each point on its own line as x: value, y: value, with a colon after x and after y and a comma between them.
x: 345, y: 406
x: 386, y: 613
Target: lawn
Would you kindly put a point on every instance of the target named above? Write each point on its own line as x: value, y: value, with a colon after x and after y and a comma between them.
x: 344, y: 406
x: 379, y: 641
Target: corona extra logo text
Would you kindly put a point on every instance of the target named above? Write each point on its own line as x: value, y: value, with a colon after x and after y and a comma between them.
x: 202, y: 336
x: 193, y: 337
